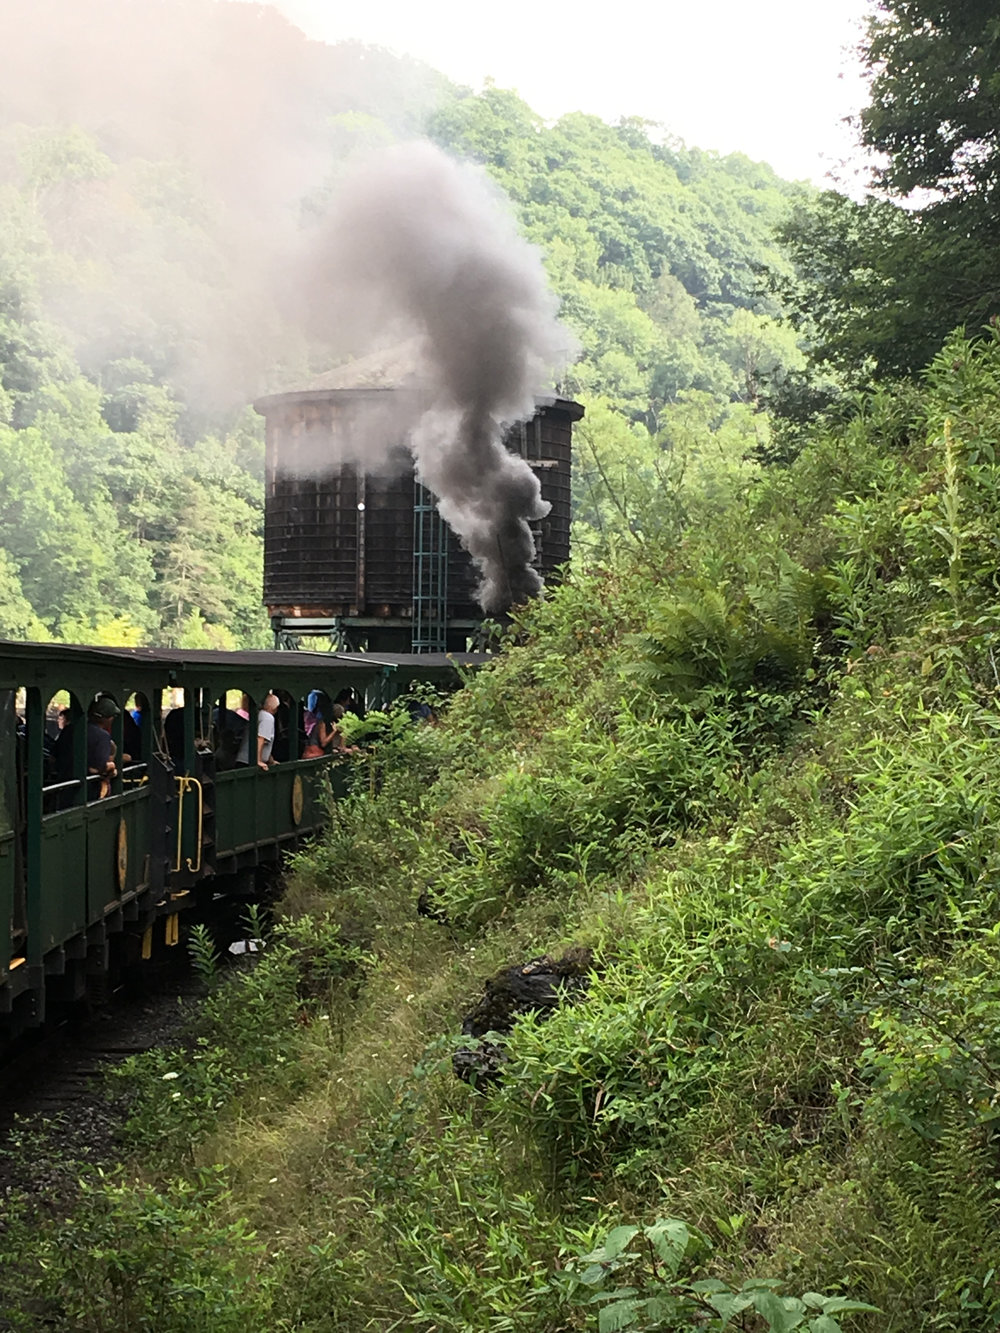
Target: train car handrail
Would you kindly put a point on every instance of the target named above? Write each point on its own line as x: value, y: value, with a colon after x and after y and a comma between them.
x: 184, y: 785
x: 52, y: 797
x: 135, y: 775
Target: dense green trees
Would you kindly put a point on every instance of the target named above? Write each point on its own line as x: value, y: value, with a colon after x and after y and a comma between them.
x: 934, y: 97
x: 667, y: 265
x: 884, y: 283
x: 102, y: 501
x: 653, y: 247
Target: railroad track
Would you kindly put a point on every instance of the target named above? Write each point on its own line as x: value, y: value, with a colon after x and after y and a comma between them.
x: 51, y: 1084
x: 49, y: 1074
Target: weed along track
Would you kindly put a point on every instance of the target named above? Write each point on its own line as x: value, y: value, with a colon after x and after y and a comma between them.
x: 54, y: 1097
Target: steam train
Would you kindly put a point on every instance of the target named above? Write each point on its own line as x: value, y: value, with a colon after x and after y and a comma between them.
x: 95, y: 873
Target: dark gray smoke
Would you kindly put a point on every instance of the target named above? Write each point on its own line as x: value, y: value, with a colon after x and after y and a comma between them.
x: 420, y: 246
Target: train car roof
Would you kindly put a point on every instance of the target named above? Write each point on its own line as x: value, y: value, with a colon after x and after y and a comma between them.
x: 428, y: 662
x: 35, y: 663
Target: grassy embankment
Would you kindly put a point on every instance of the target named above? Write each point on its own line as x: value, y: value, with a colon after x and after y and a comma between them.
x: 751, y: 763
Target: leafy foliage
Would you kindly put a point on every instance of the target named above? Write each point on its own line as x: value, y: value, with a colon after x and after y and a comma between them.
x: 655, y: 250
x: 883, y: 285
x: 661, y: 1299
x: 934, y: 96
x: 135, y: 1258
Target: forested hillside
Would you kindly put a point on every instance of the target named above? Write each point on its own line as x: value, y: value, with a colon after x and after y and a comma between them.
x: 155, y: 164
x: 151, y: 212
x: 655, y: 987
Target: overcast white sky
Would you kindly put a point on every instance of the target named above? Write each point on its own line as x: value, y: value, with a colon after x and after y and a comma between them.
x: 770, y: 78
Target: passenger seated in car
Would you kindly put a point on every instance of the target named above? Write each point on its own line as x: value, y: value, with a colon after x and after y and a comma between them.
x: 135, y: 731
x: 349, y: 701
x: 243, y: 751
x: 230, y: 730
x: 62, y: 748
x: 173, y: 736
x: 100, y: 746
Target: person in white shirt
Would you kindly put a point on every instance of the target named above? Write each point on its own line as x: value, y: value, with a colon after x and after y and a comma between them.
x: 265, y: 732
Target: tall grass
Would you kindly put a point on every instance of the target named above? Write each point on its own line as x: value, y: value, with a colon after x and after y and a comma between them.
x: 756, y: 774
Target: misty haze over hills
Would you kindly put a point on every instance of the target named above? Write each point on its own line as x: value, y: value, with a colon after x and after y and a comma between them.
x: 163, y: 171
x: 171, y: 149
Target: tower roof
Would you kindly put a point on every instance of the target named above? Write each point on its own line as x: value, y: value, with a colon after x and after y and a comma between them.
x: 388, y: 368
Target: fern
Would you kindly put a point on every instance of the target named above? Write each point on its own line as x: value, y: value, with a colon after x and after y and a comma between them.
x: 960, y: 1185
x: 703, y: 637
x: 936, y: 1230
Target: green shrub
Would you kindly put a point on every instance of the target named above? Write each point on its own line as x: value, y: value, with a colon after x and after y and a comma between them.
x: 130, y: 1258
x: 655, y: 1295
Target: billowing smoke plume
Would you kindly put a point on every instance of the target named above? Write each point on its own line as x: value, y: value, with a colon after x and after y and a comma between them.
x: 419, y: 246
x: 167, y: 151
x: 166, y: 159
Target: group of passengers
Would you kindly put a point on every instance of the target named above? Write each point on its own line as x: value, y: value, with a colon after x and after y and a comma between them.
x: 321, y: 723
x: 102, y: 758
x: 237, y: 744
x: 321, y: 734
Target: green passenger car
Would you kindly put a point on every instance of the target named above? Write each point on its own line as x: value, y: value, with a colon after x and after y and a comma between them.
x: 94, y: 873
